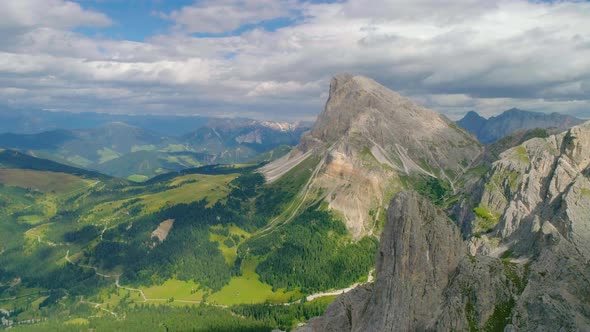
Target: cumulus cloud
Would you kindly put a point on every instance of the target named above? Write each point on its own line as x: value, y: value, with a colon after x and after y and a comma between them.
x: 28, y: 14
x: 453, y: 56
x: 218, y: 16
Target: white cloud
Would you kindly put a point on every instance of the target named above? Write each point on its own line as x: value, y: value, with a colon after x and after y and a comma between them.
x: 454, y: 57
x: 218, y: 16
x: 26, y: 14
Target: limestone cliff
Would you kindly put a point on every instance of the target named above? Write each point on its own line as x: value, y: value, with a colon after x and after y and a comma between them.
x: 419, y: 250
x: 368, y: 137
x: 524, y: 265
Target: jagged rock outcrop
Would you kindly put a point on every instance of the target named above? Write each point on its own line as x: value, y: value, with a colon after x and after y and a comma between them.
x: 497, y: 127
x: 366, y: 139
x: 419, y: 250
x: 540, y: 181
x: 525, y: 266
x: 535, y: 206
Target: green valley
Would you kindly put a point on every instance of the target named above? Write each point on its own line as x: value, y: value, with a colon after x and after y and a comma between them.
x: 202, y: 239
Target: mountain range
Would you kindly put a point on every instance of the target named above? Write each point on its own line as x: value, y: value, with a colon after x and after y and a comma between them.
x: 25, y: 121
x: 496, y: 127
x: 393, y: 205
x: 520, y: 265
x: 122, y: 150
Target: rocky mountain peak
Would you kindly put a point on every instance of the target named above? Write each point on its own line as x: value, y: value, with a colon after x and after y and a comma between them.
x: 358, y: 104
x: 366, y: 138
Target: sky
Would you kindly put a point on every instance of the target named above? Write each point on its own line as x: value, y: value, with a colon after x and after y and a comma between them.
x: 273, y: 59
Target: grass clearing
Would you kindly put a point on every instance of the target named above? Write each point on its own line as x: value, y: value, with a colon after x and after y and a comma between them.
x: 485, y: 219
x: 177, y: 289
x: 229, y: 253
x: 35, y: 304
x: 232, y: 235
x: 77, y: 321
x: 31, y: 219
x: 191, y: 188
x: 146, y: 147
x: 521, y: 154
x: 79, y: 160
x: 42, y: 180
x: 138, y: 178
x: 106, y: 154
x: 112, y: 297
x: 248, y: 289
x: 212, y: 187
x: 37, y: 232
x: 175, y: 148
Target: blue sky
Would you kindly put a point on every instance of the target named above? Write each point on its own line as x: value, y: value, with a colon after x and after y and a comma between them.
x: 273, y: 59
x: 138, y: 20
x: 132, y: 20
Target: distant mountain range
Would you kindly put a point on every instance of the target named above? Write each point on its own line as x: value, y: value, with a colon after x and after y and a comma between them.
x: 492, y: 129
x: 123, y: 150
x: 36, y: 121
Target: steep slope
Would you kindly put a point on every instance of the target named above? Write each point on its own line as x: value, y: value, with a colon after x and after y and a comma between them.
x: 419, y: 250
x: 493, y: 150
x: 532, y: 210
x: 496, y: 127
x: 372, y: 142
x: 472, y: 122
x: 524, y: 266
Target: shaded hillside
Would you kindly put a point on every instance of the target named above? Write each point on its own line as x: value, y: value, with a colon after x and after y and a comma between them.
x: 19, y: 160
x: 497, y: 127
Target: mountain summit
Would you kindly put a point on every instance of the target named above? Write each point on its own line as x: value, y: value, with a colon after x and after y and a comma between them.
x: 371, y: 142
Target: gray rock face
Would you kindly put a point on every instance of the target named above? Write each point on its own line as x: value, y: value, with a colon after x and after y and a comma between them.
x: 420, y: 248
x: 341, y: 314
x: 367, y: 138
x: 525, y: 268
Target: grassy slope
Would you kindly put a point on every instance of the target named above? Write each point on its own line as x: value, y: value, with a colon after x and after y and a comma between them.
x: 184, y: 189
x: 42, y: 181
x: 246, y: 288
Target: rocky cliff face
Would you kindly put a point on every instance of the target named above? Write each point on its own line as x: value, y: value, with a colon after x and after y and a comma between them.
x: 525, y: 264
x: 497, y: 127
x: 419, y: 250
x: 369, y: 137
x: 539, y: 182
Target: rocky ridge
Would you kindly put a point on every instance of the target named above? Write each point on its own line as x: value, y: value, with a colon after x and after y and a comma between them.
x: 523, y: 266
